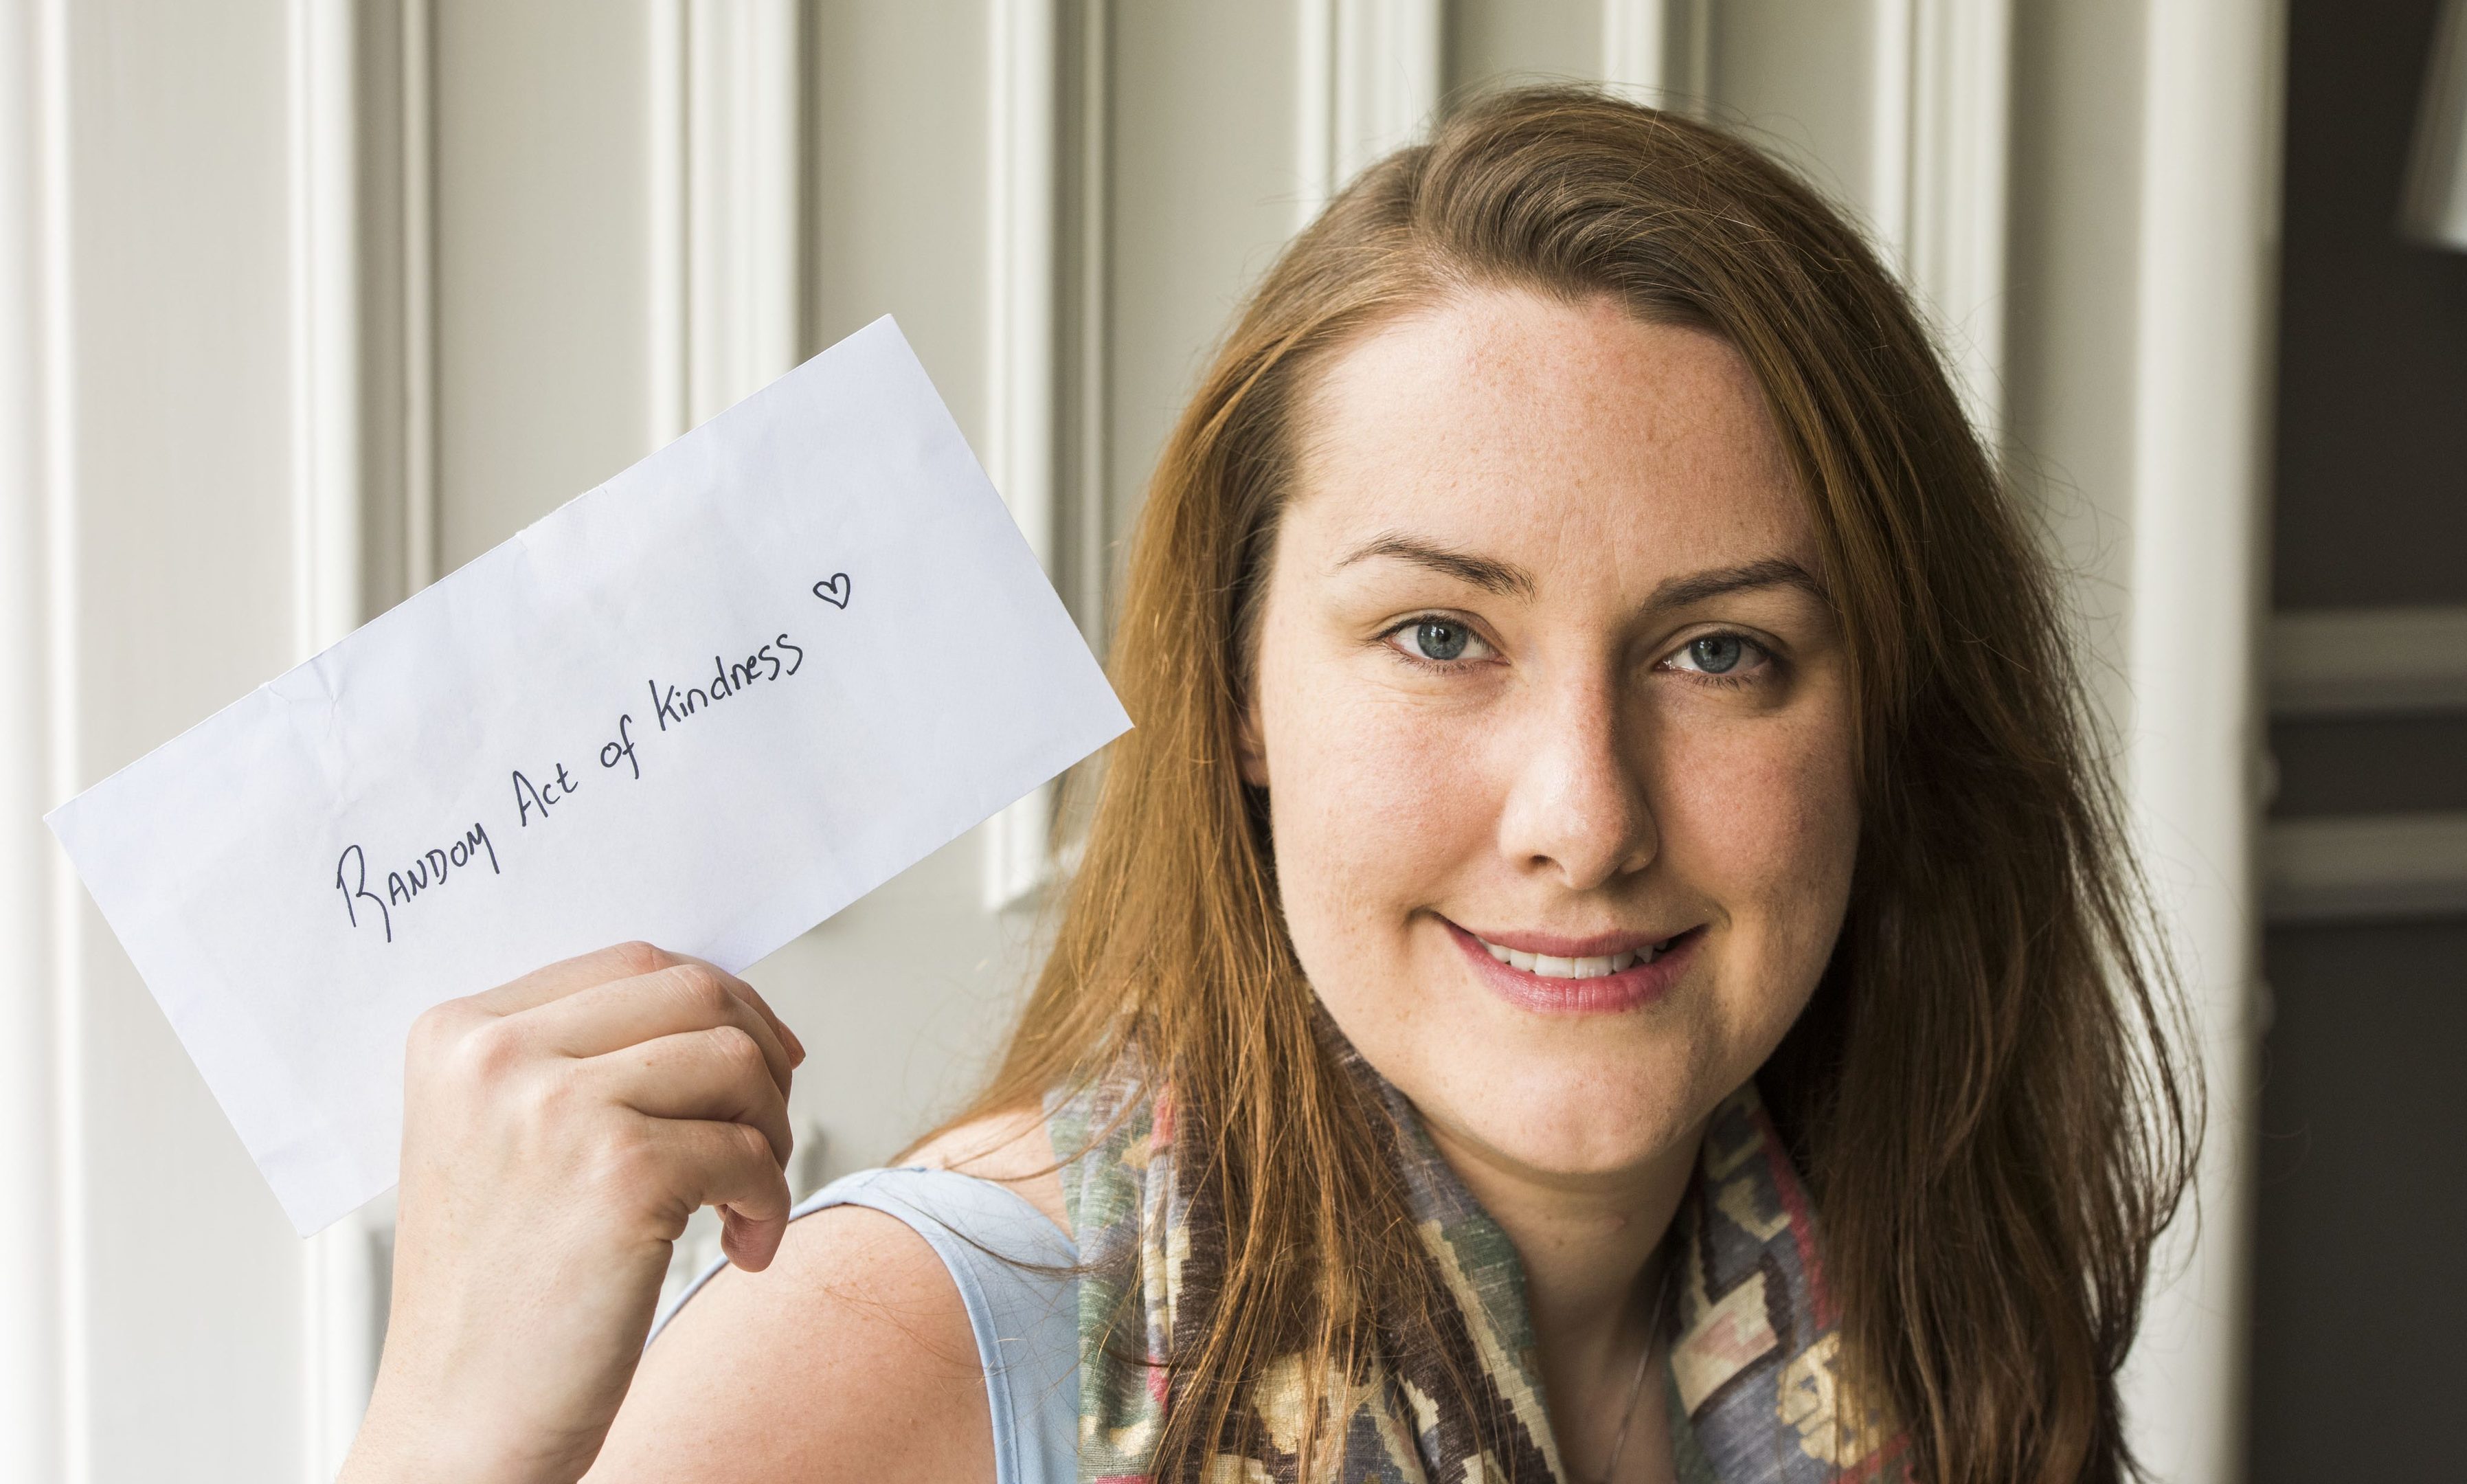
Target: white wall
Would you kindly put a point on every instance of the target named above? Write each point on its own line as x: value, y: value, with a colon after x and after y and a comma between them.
x: 303, y: 302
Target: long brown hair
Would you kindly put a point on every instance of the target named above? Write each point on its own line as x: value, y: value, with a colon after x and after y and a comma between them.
x: 1985, y: 1094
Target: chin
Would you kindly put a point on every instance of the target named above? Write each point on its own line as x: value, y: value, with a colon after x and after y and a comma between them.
x: 1572, y: 1122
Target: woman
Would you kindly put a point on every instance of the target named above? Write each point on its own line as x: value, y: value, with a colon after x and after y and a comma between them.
x: 1607, y: 957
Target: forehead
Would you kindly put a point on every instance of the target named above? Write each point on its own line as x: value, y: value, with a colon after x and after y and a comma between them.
x: 1550, y: 431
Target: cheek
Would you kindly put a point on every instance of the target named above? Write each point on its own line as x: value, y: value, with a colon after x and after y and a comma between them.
x: 1374, y: 805
x: 1764, y: 818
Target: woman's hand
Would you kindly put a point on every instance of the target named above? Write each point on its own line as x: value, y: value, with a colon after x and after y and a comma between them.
x: 557, y: 1131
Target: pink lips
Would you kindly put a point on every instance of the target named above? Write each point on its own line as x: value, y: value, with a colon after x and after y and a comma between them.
x: 1639, y: 985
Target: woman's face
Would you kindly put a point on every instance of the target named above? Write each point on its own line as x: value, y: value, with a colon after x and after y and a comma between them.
x: 1555, y: 725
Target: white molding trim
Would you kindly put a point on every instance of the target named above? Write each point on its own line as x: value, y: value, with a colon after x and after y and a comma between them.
x: 2365, y: 868
x: 1940, y: 151
x: 773, y: 144
x: 1893, y: 146
x: 2208, y: 163
x: 1661, y: 52
x: 421, y: 556
x: 741, y: 194
x: 38, y: 1310
x: 1389, y: 55
x: 725, y: 110
x: 1021, y: 177
x: 1023, y: 145
x: 1636, y: 45
x: 326, y: 375
x: 1090, y: 262
x: 63, y: 698
x: 2343, y: 662
x: 1314, y: 107
x: 670, y: 375
x: 340, y: 1333
x: 1370, y: 75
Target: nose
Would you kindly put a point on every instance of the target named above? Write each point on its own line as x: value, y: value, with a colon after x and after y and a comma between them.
x: 1576, y: 805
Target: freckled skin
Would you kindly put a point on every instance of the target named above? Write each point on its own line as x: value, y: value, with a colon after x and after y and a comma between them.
x: 1567, y: 775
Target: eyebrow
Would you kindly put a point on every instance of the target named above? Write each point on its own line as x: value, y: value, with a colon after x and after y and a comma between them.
x: 1696, y: 587
x: 1508, y: 580
x: 1504, y: 578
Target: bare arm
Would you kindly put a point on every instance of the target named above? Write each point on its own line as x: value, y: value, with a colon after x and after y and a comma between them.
x: 557, y: 1131
x: 848, y: 1359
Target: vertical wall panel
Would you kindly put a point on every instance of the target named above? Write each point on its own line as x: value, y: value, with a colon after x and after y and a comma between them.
x: 899, y: 184
x: 542, y: 231
x: 181, y: 318
x: 1206, y: 188
x: 1084, y: 211
x: 563, y: 301
x: 34, y: 883
x: 1494, y: 41
x: 1796, y: 74
x: 900, y: 996
x: 1954, y: 152
x: 2203, y: 353
x: 1023, y: 369
x: 2069, y: 315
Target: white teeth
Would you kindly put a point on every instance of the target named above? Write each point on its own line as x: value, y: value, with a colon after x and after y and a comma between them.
x: 1596, y: 966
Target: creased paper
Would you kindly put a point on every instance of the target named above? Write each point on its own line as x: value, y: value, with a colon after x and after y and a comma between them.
x: 707, y: 703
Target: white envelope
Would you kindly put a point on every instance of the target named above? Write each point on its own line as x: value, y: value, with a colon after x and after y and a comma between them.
x: 707, y: 703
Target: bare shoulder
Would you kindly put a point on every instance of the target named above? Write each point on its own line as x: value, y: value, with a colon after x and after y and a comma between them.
x: 1010, y: 1148
x: 851, y: 1357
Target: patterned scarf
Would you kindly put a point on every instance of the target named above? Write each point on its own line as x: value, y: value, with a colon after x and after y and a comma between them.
x: 1754, y: 1393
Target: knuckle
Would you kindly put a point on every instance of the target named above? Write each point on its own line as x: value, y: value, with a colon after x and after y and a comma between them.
x: 632, y: 960
x: 703, y: 988
x: 475, y: 1053
x: 753, y: 1145
x: 434, y: 1033
x: 490, y: 1052
x: 629, y: 1180
x: 549, y: 1098
x: 739, y: 1051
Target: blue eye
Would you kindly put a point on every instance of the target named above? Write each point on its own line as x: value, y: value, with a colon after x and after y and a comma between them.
x: 1717, y: 655
x: 1434, y: 639
x: 1437, y: 642
x: 1733, y: 659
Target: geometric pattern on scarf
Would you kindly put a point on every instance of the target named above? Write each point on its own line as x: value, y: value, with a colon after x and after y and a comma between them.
x: 1757, y: 1358
x: 1756, y: 1390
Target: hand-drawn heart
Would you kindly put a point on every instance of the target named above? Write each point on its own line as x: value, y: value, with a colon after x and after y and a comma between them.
x: 833, y: 590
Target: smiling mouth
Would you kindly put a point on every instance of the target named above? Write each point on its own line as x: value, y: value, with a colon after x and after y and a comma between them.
x: 1632, y: 972
x: 1597, y: 967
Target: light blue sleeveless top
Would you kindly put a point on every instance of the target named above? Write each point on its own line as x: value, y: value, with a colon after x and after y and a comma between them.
x: 1027, y: 1322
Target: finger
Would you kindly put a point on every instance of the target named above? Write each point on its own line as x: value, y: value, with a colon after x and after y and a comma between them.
x: 716, y: 1076
x: 751, y: 1243
x: 688, y: 995
x: 729, y: 1166
x: 566, y: 976
x: 779, y: 1026
x: 753, y: 997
